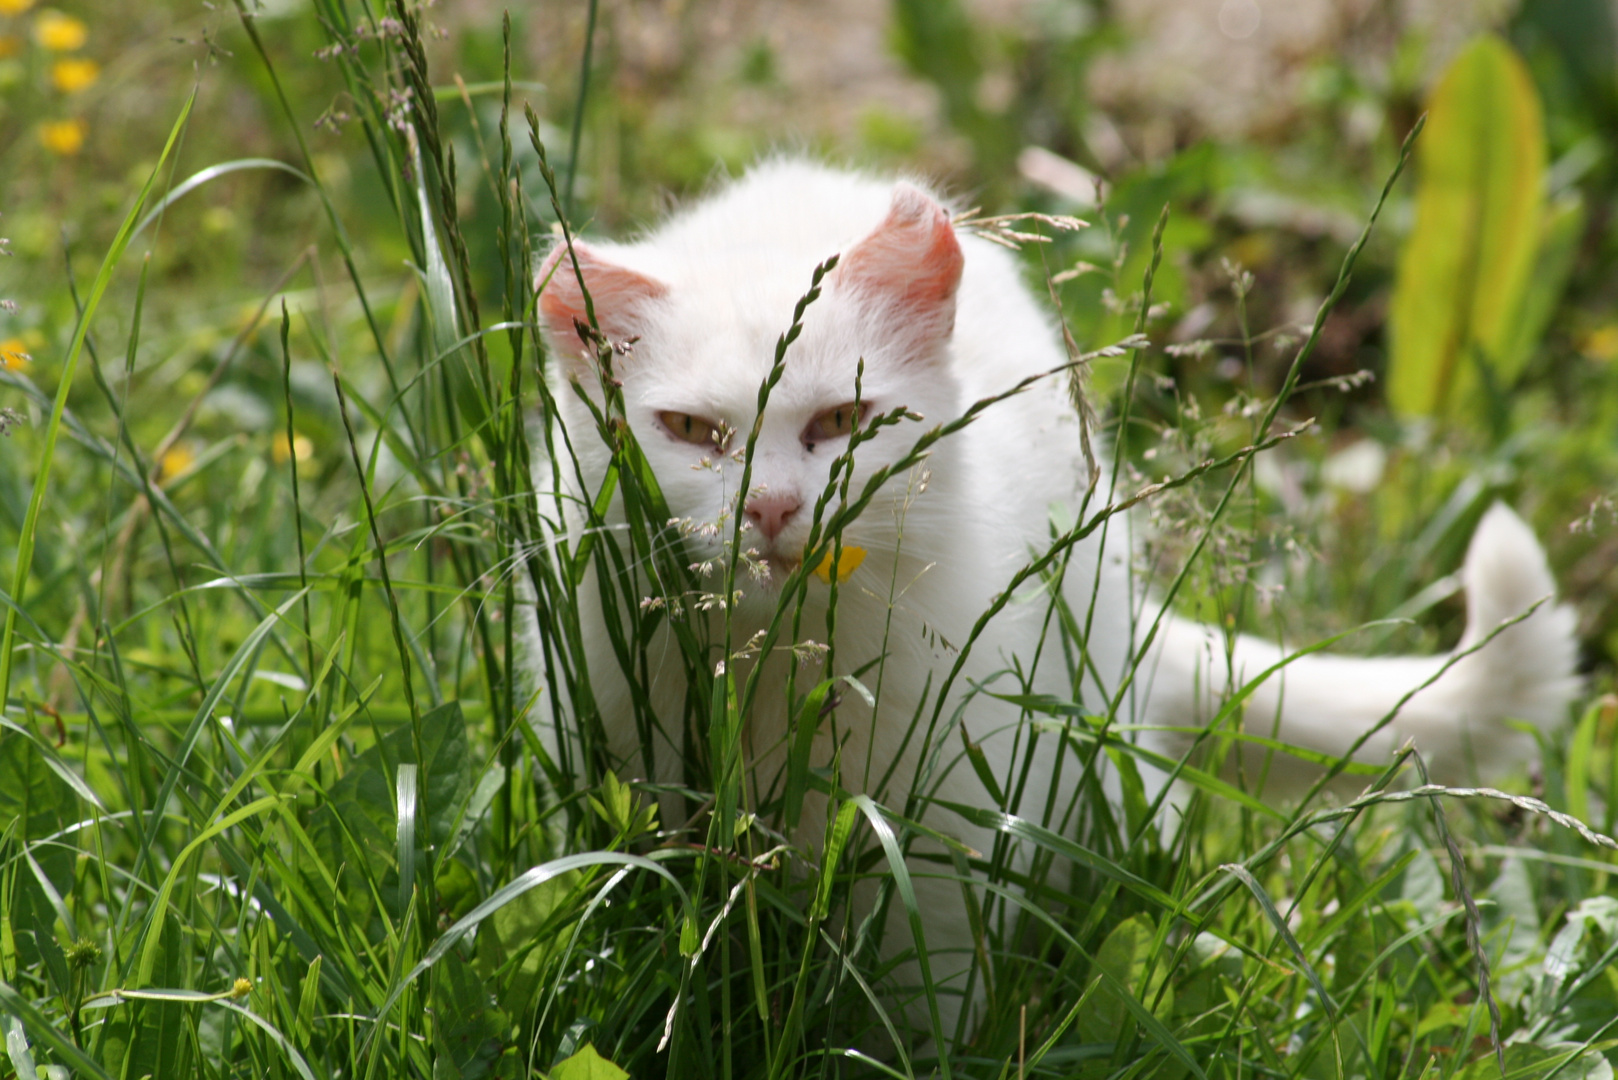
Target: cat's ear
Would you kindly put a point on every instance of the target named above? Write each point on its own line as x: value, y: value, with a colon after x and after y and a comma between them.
x: 618, y: 294
x: 909, y: 266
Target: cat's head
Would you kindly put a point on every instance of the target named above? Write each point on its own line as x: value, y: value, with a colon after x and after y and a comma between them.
x: 705, y: 324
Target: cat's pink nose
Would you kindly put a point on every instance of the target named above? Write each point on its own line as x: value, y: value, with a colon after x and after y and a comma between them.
x: 770, y: 513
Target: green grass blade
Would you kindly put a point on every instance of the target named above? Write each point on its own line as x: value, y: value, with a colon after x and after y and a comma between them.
x: 405, y: 780
x: 213, y: 172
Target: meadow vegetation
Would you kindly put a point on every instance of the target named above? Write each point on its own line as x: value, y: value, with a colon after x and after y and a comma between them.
x: 273, y: 395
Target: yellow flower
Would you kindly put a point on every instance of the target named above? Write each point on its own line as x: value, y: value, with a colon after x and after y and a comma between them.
x: 65, y: 137
x: 14, y: 355
x: 1602, y: 343
x: 10, y: 44
x: 58, y: 32
x: 74, y: 74
x: 179, y: 458
x: 302, y: 448
x: 15, y: 7
x: 850, y: 562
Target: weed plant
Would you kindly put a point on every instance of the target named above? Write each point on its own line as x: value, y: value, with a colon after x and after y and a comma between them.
x: 272, y: 803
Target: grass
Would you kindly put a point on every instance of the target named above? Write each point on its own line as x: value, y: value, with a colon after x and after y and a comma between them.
x: 270, y: 803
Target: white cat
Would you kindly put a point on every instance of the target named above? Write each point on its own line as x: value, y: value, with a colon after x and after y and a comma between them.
x: 942, y: 319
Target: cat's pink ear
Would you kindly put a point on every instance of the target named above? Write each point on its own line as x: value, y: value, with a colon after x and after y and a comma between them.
x: 618, y: 294
x: 910, y: 265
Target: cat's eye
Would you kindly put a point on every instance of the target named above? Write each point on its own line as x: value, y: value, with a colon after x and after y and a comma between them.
x: 692, y: 429
x: 835, y: 423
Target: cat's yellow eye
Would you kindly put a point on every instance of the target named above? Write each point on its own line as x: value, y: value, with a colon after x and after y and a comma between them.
x: 692, y: 429
x: 835, y: 423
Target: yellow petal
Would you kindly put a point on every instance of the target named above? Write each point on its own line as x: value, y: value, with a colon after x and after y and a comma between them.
x: 74, y: 74
x: 1602, y: 343
x: 179, y: 458
x: 59, y: 32
x: 301, y: 448
x: 850, y: 562
x: 64, y: 137
x: 14, y: 354
x: 15, y: 7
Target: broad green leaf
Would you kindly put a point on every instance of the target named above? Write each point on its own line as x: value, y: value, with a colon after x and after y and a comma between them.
x: 1126, y: 956
x: 1422, y: 884
x: 32, y: 794
x: 1578, y: 988
x: 1211, y: 968
x: 359, y: 822
x: 468, y: 1024
x: 530, y: 930
x: 1561, y: 230
x: 446, y: 781
x: 588, y: 1065
x: 1465, y: 271
x: 1511, y: 924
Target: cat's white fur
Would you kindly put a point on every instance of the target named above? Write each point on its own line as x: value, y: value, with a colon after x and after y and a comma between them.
x: 708, y: 293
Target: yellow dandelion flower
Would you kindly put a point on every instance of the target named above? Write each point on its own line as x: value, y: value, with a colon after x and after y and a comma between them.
x: 1602, y: 343
x: 301, y: 448
x: 179, y: 458
x: 74, y: 74
x: 64, y: 137
x: 10, y: 44
x: 850, y: 562
x: 15, y: 7
x: 59, y: 32
x: 14, y: 355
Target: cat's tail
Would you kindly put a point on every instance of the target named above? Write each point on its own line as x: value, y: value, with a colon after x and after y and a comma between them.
x: 1455, y: 708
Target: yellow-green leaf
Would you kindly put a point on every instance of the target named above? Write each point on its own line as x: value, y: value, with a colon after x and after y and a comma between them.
x: 588, y: 1065
x: 1561, y: 230
x: 1126, y: 956
x: 1465, y: 270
